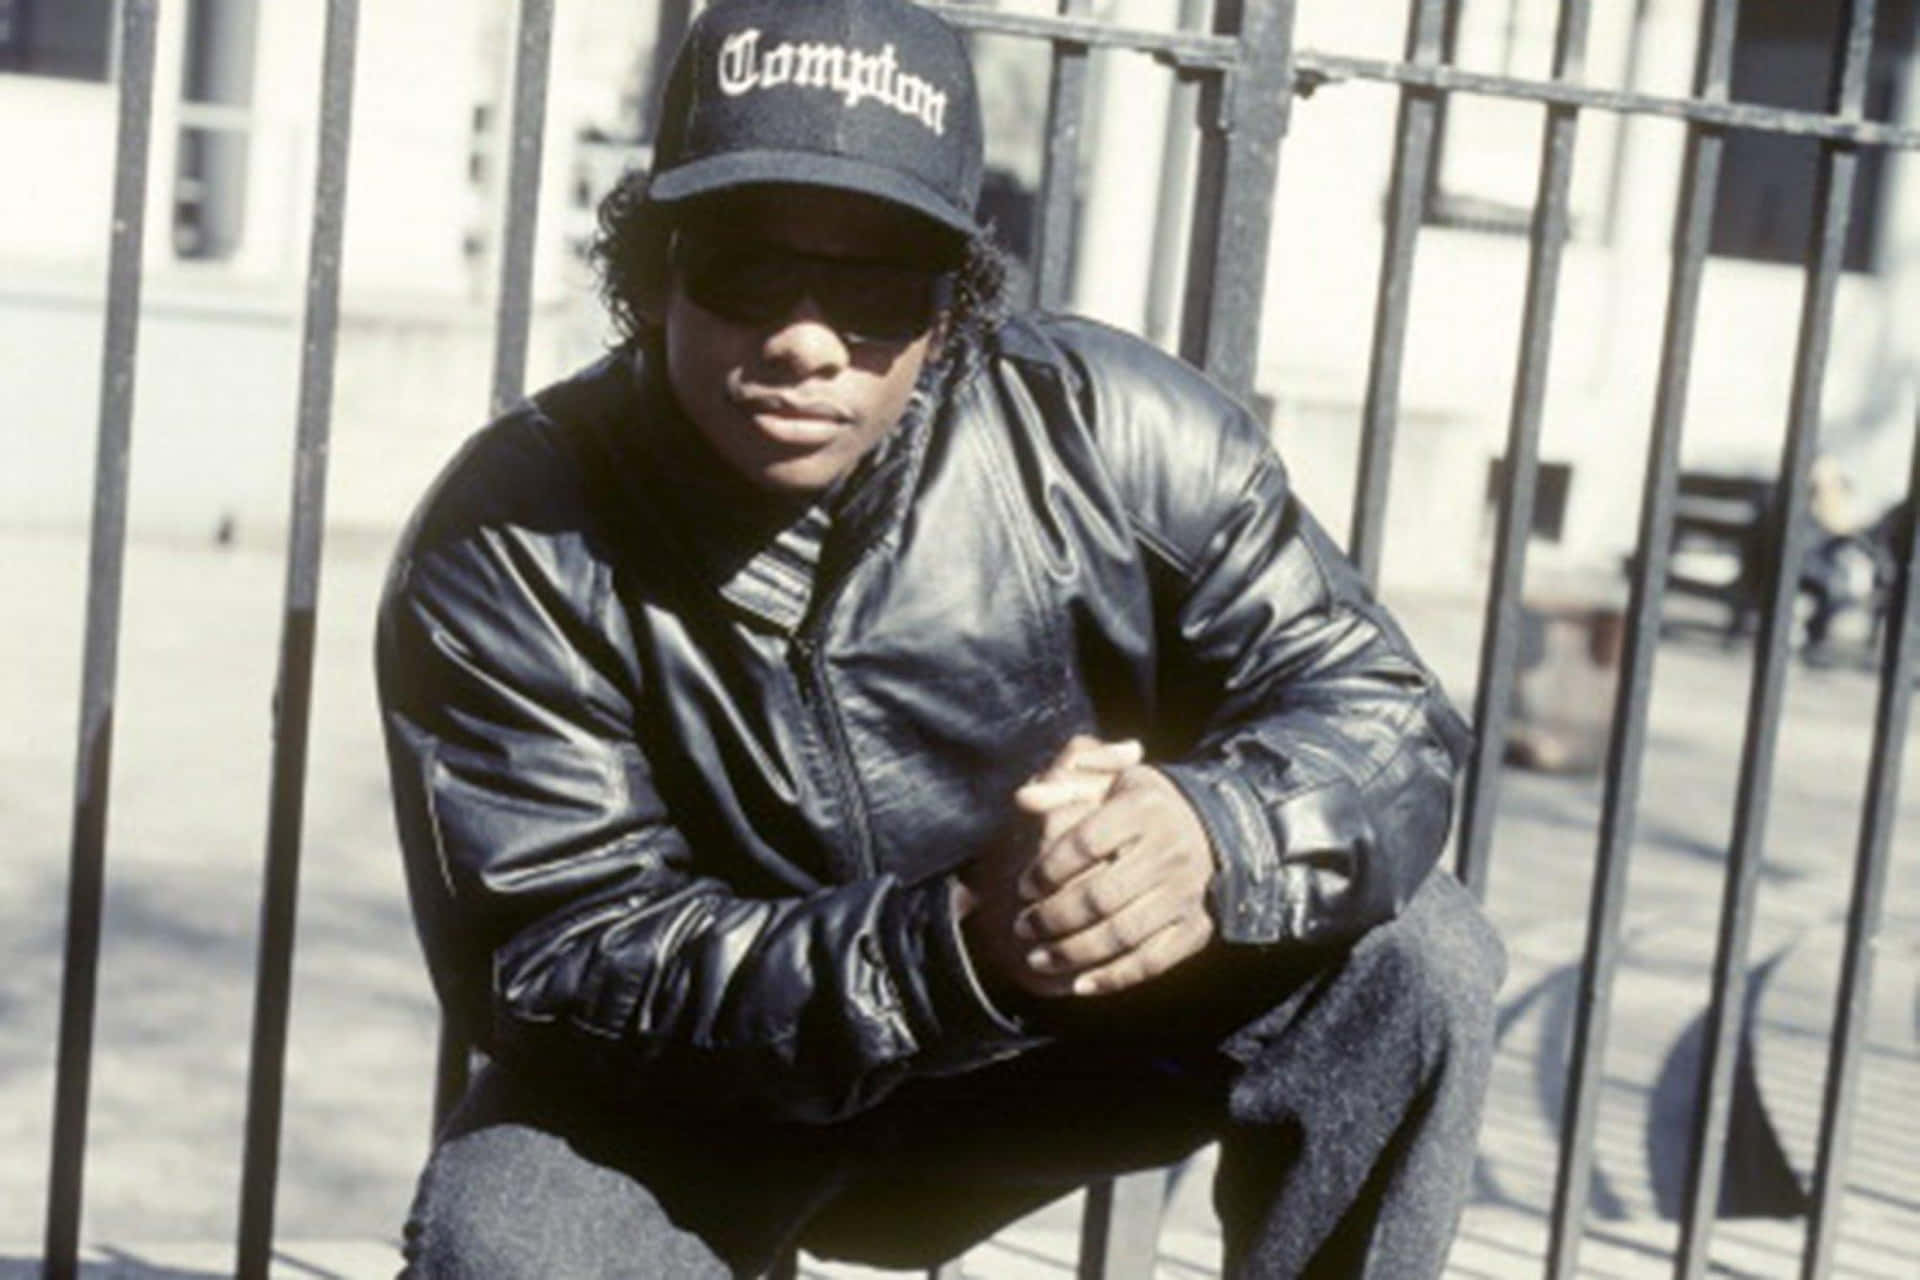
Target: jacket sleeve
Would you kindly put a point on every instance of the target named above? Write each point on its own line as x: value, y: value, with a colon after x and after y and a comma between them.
x: 567, y: 920
x: 1317, y: 749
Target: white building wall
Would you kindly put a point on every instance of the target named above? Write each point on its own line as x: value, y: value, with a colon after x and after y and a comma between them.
x: 423, y: 67
x: 216, y: 385
x: 219, y: 349
x: 58, y: 138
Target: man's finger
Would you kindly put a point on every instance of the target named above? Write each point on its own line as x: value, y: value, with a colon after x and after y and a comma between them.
x: 1111, y: 936
x: 1124, y: 818
x: 1118, y: 931
x: 1046, y: 794
x: 1084, y: 753
x: 1179, y: 875
x: 1070, y: 853
x: 1158, y: 954
x: 1127, y: 813
x: 1081, y: 775
x: 1105, y: 888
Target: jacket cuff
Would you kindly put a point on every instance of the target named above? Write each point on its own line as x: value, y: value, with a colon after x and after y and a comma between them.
x: 961, y: 1028
x: 1281, y: 872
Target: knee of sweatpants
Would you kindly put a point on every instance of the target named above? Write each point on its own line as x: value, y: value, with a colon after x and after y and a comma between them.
x: 464, y: 1221
x: 1408, y: 1009
x: 1438, y: 966
x: 507, y: 1200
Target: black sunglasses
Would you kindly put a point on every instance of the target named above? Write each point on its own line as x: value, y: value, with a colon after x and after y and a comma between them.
x: 865, y: 300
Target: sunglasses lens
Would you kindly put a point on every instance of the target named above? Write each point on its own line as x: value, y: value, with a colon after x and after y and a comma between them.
x: 747, y: 287
x: 878, y: 302
x: 752, y: 284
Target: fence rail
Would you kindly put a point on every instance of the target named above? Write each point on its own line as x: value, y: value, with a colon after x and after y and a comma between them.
x: 1248, y: 74
x: 1315, y: 69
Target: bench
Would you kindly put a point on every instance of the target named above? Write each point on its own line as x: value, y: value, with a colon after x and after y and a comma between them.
x: 1725, y: 543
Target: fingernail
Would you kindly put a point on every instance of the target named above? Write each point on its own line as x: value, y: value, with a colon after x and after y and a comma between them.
x: 1039, y: 959
x: 1083, y: 985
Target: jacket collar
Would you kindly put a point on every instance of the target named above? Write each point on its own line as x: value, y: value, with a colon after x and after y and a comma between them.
x: 766, y: 556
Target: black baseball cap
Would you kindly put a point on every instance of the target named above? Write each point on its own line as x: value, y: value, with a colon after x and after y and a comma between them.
x: 870, y: 96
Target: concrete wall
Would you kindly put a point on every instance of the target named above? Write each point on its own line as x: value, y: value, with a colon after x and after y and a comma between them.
x: 216, y: 401
x: 213, y: 408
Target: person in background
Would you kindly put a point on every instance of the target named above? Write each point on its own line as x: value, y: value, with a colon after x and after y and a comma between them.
x: 1842, y: 562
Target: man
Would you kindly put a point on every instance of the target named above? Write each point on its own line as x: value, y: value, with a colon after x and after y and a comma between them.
x: 868, y: 764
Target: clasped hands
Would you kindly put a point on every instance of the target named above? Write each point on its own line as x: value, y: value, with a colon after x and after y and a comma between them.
x: 1110, y: 893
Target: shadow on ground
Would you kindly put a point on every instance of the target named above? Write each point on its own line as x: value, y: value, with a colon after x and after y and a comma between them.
x: 120, y: 1266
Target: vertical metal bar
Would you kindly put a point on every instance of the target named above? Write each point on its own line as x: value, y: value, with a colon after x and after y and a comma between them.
x: 1243, y: 118
x: 1204, y: 227
x: 1623, y: 123
x: 1625, y: 745
x: 532, y: 57
x: 1120, y: 1229
x: 294, y: 687
x: 100, y: 662
x: 1833, y: 206
x: 453, y: 1070
x: 668, y: 32
x: 1173, y: 204
x: 1413, y: 161
x: 1059, y: 177
x: 513, y: 319
x: 1869, y: 896
x: 1500, y: 638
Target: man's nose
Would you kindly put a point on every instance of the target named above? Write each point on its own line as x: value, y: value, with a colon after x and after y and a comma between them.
x: 805, y: 343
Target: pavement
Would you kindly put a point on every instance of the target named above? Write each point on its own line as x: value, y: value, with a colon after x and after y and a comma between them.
x: 187, y: 832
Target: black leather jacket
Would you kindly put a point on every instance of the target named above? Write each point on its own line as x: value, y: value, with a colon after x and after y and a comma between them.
x: 679, y: 780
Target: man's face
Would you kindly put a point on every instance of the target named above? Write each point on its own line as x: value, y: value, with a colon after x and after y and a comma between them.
x: 781, y: 345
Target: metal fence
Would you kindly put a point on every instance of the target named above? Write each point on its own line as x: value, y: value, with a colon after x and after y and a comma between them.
x: 1248, y: 74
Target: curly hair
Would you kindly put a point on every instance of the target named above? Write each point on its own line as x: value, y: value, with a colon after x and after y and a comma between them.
x: 629, y: 256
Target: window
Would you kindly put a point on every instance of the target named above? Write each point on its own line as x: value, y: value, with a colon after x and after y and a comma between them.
x: 1487, y: 159
x: 72, y: 39
x: 1783, y: 57
x: 1487, y: 149
x: 216, y: 88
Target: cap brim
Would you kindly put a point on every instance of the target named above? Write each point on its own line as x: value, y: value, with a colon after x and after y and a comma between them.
x: 805, y: 168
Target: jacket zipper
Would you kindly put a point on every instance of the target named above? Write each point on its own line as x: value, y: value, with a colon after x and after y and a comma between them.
x: 815, y: 693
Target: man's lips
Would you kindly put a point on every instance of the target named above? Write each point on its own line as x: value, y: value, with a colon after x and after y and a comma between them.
x: 792, y: 421
x: 788, y: 407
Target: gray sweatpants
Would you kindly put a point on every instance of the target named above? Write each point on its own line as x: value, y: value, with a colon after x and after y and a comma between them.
x: 1344, y: 1087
